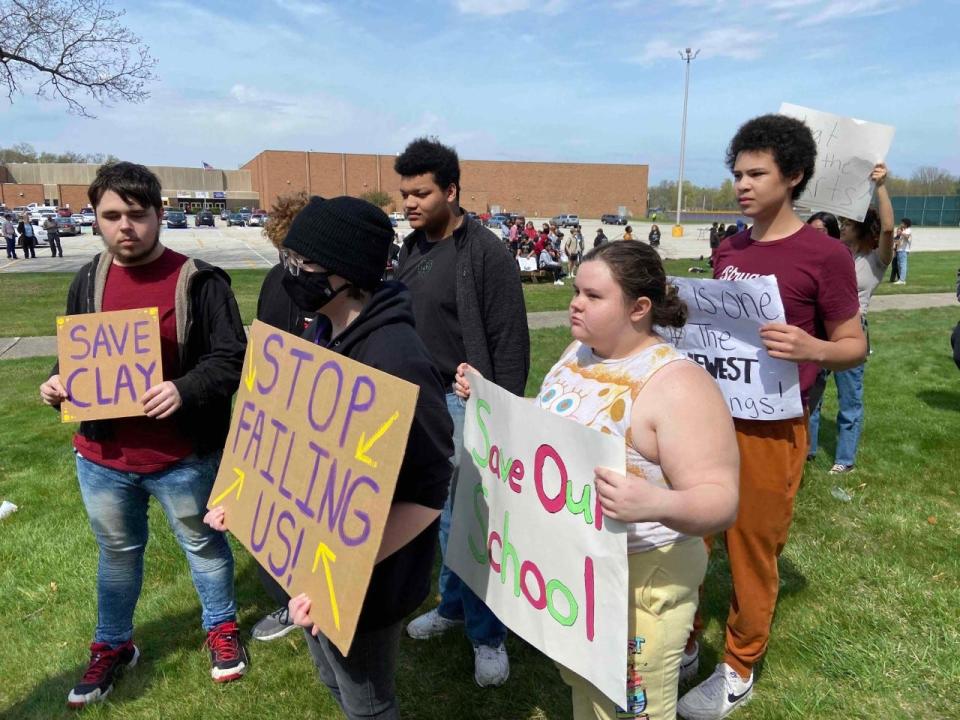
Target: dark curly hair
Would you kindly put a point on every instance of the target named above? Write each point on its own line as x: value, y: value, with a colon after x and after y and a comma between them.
x: 130, y: 181
x: 284, y: 210
x: 429, y: 155
x: 788, y: 139
x: 638, y: 270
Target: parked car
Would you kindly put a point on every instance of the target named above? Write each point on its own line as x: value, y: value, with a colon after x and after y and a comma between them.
x: 176, y: 219
x: 38, y: 232
x: 204, y: 217
x: 566, y: 220
x: 495, y: 221
x: 257, y: 219
x: 67, y: 226
x: 85, y: 219
x: 224, y: 214
x: 236, y: 219
x: 611, y: 219
x: 64, y: 212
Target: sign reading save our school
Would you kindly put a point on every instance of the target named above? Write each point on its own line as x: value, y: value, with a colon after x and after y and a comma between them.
x: 847, y: 150
x: 722, y: 334
x: 308, y: 472
x: 529, y: 538
x: 108, y: 360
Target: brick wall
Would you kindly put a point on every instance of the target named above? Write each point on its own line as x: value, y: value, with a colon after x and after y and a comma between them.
x: 533, y: 189
x: 75, y: 196
x: 12, y: 194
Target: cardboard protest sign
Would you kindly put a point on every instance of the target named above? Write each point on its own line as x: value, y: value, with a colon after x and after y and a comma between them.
x: 529, y: 538
x: 847, y: 150
x: 722, y: 334
x: 107, y: 361
x: 309, y: 468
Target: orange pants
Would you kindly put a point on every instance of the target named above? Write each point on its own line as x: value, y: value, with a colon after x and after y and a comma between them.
x: 772, y: 456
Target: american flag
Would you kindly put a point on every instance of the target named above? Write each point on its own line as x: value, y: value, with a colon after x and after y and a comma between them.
x: 207, y: 166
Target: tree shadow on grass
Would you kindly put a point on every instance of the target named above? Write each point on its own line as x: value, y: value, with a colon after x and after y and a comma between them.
x: 157, y: 639
x: 940, y: 399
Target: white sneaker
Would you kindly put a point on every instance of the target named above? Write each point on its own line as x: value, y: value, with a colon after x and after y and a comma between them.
x: 558, y: 282
x: 689, y: 665
x: 430, y: 624
x: 491, y: 666
x: 717, y: 696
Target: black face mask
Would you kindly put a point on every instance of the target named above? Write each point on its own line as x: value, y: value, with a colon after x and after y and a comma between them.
x: 310, y: 291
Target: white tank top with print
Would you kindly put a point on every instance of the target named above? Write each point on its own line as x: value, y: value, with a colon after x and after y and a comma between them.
x: 600, y: 394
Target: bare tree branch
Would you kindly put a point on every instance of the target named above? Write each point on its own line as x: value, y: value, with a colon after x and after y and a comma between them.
x: 72, y: 50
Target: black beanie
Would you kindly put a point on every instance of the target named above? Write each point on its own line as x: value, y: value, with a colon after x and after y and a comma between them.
x: 347, y: 236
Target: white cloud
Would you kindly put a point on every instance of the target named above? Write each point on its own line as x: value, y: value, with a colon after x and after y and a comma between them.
x: 732, y: 42
x: 304, y: 7
x: 493, y: 8
x: 844, y: 9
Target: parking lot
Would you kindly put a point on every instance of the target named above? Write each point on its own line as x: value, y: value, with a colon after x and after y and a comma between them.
x: 246, y: 247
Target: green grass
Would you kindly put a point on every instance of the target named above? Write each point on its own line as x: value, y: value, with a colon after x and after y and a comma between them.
x: 866, y: 625
x: 35, y: 299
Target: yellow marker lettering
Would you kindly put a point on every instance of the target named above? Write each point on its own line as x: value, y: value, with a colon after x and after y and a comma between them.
x: 251, y: 373
x: 328, y: 557
x: 238, y: 484
x: 364, y: 445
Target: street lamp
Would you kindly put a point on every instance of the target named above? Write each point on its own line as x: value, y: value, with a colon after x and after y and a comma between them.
x: 686, y: 55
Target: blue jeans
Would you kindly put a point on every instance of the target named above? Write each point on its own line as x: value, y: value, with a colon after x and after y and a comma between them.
x: 457, y: 600
x: 364, y: 682
x: 849, y: 417
x: 902, y: 258
x: 116, y: 504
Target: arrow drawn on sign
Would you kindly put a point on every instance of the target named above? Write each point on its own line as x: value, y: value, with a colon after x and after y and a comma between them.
x: 251, y: 373
x: 238, y: 484
x: 364, y: 445
x: 328, y: 557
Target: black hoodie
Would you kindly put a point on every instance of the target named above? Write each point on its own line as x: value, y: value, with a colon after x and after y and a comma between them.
x: 383, y: 336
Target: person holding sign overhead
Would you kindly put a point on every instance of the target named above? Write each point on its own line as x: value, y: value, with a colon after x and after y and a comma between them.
x: 621, y: 378
x: 334, y: 255
x: 772, y: 159
x: 173, y: 451
x: 871, y: 243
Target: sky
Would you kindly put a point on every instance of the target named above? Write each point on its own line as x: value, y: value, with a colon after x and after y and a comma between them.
x: 536, y: 80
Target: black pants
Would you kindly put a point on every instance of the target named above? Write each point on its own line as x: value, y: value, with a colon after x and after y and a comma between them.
x: 273, y: 588
x: 29, y: 244
x: 12, y: 247
x: 55, y: 245
x: 894, y: 269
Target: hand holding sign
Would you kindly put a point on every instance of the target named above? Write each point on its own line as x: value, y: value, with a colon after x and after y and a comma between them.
x: 626, y: 497
x: 788, y: 342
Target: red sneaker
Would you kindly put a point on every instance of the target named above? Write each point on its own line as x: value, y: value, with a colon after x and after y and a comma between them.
x: 106, y: 665
x: 228, y: 656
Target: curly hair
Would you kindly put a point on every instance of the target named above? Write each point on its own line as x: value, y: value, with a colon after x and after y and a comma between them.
x: 284, y: 210
x: 638, y: 270
x: 429, y: 155
x: 789, y: 141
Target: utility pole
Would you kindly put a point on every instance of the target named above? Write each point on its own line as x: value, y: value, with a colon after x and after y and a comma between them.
x: 686, y: 55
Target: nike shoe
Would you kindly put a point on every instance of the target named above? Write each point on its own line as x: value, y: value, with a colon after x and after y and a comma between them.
x: 717, y: 696
x: 689, y: 665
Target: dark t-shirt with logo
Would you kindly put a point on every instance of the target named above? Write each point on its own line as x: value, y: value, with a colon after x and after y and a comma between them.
x: 430, y: 271
x: 815, y: 275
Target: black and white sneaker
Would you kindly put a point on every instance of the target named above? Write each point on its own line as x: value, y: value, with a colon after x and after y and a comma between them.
x: 107, y: 663
x: 273, y: 626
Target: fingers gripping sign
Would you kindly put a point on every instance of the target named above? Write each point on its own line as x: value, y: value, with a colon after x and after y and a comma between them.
x: 628, y: 498
x: 161, y: 401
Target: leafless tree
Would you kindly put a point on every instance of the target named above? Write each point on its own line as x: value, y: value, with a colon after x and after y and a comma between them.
x: 72, y: 50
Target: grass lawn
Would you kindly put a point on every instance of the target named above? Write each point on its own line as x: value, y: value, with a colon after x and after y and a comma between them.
x: 35, y: 299
x: 866, y: 625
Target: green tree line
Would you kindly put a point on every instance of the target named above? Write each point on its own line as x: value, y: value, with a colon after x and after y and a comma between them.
x: 923, y: 181
x: 25, y: 153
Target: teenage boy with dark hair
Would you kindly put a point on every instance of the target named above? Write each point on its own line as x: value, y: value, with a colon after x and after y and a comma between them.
x: 172, y: 453
x: 334, y: 253
x: 469, y: 307
x: 772, y: 159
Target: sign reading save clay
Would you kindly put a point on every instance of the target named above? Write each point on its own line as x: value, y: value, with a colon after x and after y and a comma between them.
x: 529, y: 538
x: 308, y: 472
x: 107, y: 361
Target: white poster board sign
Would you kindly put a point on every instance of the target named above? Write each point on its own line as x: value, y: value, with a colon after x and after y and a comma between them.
x: 722, y: 334
x: 527, y: 264
x: 529, y: 538
x: 847, y: 150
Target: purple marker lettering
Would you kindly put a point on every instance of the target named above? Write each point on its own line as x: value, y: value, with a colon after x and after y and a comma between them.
x: 359, y: 538
x: 69, y: 388
x: 280, y: 428
x: 272, y: 362
x: 335, y: 367
x: 304, y: 503
x: 242, y: 423
x: 300, y: 355
x: 279, y: 570
x: 256, y: 437
x: 122, y: 342
x: 140, y: 338
x: 147, y: 373
x: 254, y: 545
x: 100, y: 341
x: 355, y: 406
x: 101, y: 400
x: 77, y: 337
x: 124, y: 380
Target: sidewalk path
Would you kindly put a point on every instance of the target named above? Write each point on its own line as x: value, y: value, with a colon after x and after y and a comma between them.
x: 15, y: 348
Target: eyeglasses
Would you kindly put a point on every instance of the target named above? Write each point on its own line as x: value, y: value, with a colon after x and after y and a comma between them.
x: 294, y: 264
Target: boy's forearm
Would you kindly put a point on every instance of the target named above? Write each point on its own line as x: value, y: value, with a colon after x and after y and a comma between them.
x: 843, y: 353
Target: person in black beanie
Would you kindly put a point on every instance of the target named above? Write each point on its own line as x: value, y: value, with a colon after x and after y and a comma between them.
x: 335, y: 253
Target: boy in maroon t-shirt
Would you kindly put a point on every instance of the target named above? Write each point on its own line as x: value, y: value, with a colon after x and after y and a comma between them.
x: 772, y: 158
x: 173, y: 451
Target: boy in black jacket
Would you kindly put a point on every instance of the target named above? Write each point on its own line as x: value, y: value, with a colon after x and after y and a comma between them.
x: 172, y: 453
x: 335, y: 254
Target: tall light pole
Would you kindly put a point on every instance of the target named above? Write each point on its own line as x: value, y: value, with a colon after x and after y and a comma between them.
x: 686, y: 55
